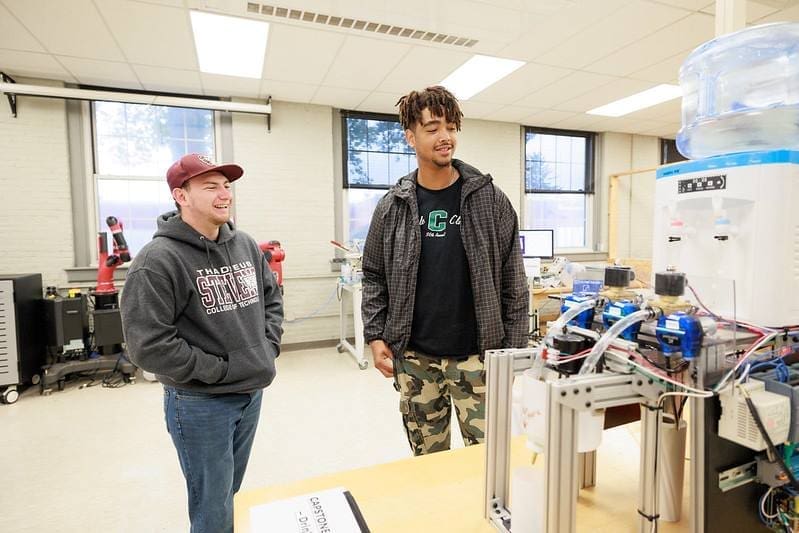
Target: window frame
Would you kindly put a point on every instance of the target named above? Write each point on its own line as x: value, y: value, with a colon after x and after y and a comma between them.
x: 365, y: 115
x: 589, y: 192
x: 669, y: 152
x: 94, y: 176
x: 590, y: 138
x: 343, y: 229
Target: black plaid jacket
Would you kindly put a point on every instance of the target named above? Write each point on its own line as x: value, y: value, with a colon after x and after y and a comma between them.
x: 490, y: 233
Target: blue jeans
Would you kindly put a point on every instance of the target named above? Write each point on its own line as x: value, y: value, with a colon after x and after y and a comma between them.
x: 213, y: 435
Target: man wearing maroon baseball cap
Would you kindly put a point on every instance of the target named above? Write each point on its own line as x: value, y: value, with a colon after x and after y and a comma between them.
x: 202, y: 311
x: 192, y: 165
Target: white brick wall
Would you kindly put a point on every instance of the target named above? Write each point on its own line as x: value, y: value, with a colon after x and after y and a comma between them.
x: 494, y: 148
x: 622, y: 152
x: 286, y: 194
x: 36, y: 219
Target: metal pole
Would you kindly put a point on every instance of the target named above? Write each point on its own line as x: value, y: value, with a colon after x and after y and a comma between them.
x: 499, y: 381
x: 560, y: 463
x: 697, y: 447
x: 647, y: 503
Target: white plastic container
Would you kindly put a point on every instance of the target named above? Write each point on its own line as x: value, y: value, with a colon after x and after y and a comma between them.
x: 590, y: 424
x: 741, y: 93
x: 528, y: 493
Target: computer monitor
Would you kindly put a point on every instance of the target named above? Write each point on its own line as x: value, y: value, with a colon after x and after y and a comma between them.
x: 537, y: 243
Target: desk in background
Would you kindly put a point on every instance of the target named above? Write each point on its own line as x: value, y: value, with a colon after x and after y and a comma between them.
x: 539, y: 297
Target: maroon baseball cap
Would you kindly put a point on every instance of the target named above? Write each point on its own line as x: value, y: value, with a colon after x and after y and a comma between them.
x: 192, y: 165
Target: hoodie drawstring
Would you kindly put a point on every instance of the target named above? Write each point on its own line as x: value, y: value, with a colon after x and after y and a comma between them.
x: 227, y: 250
x: 207, y: 251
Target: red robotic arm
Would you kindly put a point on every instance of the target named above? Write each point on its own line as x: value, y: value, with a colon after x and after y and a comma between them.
x: 107, y: 264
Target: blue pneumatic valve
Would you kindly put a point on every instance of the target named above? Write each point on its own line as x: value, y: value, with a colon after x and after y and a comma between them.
x: 680, y: 332
x: 586, y: 318
x: 618, y: 309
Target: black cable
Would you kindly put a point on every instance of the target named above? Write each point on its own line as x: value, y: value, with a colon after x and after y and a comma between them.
x: 679, y: 412
x: 116, y: 378
x: 759, y: 423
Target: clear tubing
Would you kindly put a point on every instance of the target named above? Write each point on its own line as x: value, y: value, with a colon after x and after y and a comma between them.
x: 610, y: 335
x: 564, y: 319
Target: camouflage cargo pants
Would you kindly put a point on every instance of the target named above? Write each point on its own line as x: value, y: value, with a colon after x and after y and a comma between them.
x: 428, y: 388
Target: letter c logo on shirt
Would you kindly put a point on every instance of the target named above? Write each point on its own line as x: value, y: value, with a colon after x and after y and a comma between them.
x: 437, y: 220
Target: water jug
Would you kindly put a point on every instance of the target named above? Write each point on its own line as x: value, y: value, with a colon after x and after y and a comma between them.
x: 741, y: 93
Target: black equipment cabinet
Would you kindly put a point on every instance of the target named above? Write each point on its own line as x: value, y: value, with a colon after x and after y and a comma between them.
x: 22, y: 343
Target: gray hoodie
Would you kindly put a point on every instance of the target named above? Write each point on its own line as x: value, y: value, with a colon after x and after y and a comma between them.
x: 202, y: 315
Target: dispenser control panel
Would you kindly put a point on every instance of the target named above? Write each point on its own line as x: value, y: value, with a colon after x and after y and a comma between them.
x: 702, y: 183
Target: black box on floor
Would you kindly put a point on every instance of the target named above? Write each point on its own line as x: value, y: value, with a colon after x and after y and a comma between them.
x: 66, y: 320
x: 107, y: 327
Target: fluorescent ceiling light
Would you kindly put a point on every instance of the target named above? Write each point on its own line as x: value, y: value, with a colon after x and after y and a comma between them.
x: 478, y: 73
x: 229, y: 45
x: 655, y: 95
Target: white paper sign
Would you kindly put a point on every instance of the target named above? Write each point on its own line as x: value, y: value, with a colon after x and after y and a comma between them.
x: 327, y: 511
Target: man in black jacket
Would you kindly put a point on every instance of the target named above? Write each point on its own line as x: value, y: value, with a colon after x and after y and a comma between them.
x: 443, y: 279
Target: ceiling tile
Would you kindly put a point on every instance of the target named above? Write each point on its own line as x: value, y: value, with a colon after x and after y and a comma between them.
x: 378, y: 102
x: 668, y: 131
x: 31, y: 64
x: 103, y: 73
x: 565, y: 89
x: 627, y: 25
x: 580, y: 122
x: 790, y: 14
x: 667, y: 111
x: 481, y: 110
x: 287, y: 91
x: 173, y: 3
x: 219, y: 85
x: 14, y: 36
x: 421, y: 67
x: 661, y: 45
x: 72, y: 28
x: 512, y: 113
x: 629, y: 125
x: 547, y: 118
x: 692, y: 5
x: 300, y: 55
x: 621, y: 46
x: 362, y: 63
x: 545, y: 33
x: 615, y: 90
x: 169, y: 79
x: 667, y: 71
x: 339, y: 97
x: 754, y: 10
x: 521, y: 83
x: 478, y: 20
x: 169, y: 42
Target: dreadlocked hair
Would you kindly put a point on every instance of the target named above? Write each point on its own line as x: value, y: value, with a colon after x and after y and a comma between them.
x: 437, y: 99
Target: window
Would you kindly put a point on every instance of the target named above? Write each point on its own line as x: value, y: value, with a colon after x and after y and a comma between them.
x: 558, y: 184
x: 669, y: 152
x: 133, y: 147
x: 375, y: 157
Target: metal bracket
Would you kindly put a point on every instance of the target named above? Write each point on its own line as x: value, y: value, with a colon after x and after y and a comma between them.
x: 12, y: 98
x: 737, y: 476
x: 269, y: 116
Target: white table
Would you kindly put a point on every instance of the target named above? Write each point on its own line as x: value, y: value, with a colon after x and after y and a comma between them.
x: 356, y: 291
